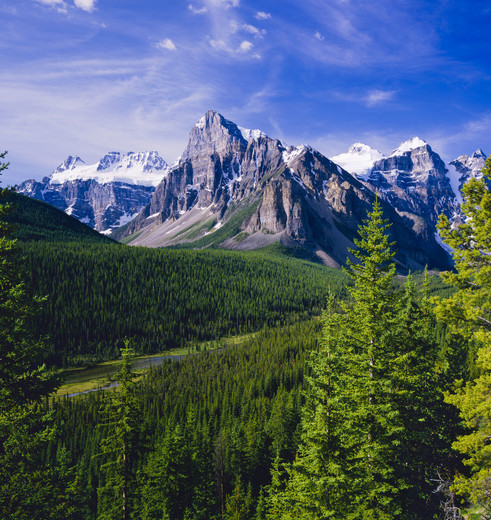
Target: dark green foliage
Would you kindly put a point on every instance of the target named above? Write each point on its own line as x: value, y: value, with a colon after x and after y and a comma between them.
x: 159, y: 299
x: 119, y: 445
x: 29, y: 488
x: 208, y: 428
x: 36, y: 220
x: 372, y: 442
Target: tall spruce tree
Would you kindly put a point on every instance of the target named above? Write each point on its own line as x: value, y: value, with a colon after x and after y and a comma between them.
x: 357, y: 448
x: 468, y: 312
x: 119, y: 446
x: 28, y: 488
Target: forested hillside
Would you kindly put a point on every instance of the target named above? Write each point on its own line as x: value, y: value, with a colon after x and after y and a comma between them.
x: 100, y: 294
x: 208, y: 428
x: 38, y: 221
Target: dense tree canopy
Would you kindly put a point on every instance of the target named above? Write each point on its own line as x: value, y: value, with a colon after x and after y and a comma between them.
x: 468, y: 312
x: 370, y: 442
x: 27, y: 486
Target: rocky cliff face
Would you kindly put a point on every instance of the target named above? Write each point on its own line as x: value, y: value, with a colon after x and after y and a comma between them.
x: 104, y: 195
x: 469, y: 167
x: 248, y: 190
x: 415, y: 181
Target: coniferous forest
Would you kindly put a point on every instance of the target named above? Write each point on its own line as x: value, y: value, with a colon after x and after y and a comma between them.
x: 363, y: 394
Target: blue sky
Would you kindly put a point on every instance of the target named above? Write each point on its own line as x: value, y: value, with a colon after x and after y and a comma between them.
x: 86, y: 77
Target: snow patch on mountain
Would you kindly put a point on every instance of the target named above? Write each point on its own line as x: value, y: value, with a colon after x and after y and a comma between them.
x: 251, y: 134
x: 358, y: 160
x: 138, y: 169
x: 292, y: 152
x: 69, y: 163
x: 408, y: 146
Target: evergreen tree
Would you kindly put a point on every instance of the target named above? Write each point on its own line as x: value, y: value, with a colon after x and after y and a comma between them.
x: 468, y: 312
x: 22, y: 379
x: 119, y: 446
x: 28, y: 487
x: 357, y: 446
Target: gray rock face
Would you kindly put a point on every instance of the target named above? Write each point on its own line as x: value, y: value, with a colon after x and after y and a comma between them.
x: 295, y: 195
x: 416, y: 183
x: 105, y: 195
x: 469, y: 167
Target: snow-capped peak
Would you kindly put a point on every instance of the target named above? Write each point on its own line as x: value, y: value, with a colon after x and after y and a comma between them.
x: 138, y: 169
x: 359, y: 159
x: 409, y: 145
x: 251, y: 134
x: 69, y: 163
x: 479, y: 154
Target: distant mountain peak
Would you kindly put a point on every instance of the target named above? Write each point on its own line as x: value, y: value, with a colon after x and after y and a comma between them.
x: 70, y: 163
x: 141, y: 168
x: 108, y: 160
x: 359, y: 159
x: 213, y: 121
x: 479, y: 154
x: 409, y: 145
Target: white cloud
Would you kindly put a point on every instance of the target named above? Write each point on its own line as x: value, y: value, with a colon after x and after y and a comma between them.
x: 219, y: 45
x: 62, y: 7
x: 96, y: 106
x: 319, y: 36
x: 464, y: 137
x: 197, y: 10
x: 376, y: 97
x: 86, y: 5
x: 246, y: 46
x: 236, y: 27
x: 261, y: 15
x: 167, y: 44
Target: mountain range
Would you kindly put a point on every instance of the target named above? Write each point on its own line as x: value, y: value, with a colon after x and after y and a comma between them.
x: 104, y: 195
x: 240, y: 189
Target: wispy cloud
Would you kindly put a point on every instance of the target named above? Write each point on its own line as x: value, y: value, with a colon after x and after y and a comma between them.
x: 370, y: 99
x: 222, y: 4
x: 59, y: 5
x: 62, y: 6
x: 197, y: 10
x: 358, y: 34
x: 121, y: 105
x: 167, y: 44
x: 464, y: 138
x: 248, y: 28
x: 261, y: 15
x: 230, y: 34
x: 375, y: 97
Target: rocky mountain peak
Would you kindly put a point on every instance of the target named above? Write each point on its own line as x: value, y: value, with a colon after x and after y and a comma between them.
x: 469, y: 167
x: 409, y: 146
x: 146, y: 161
x: 70, y: 163
x: 108, y: 160
x: 479, y: 154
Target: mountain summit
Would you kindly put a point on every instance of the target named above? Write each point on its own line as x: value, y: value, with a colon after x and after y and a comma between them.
x: 104, y: 195
x: 244, y: 190
x: 241, y: 189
